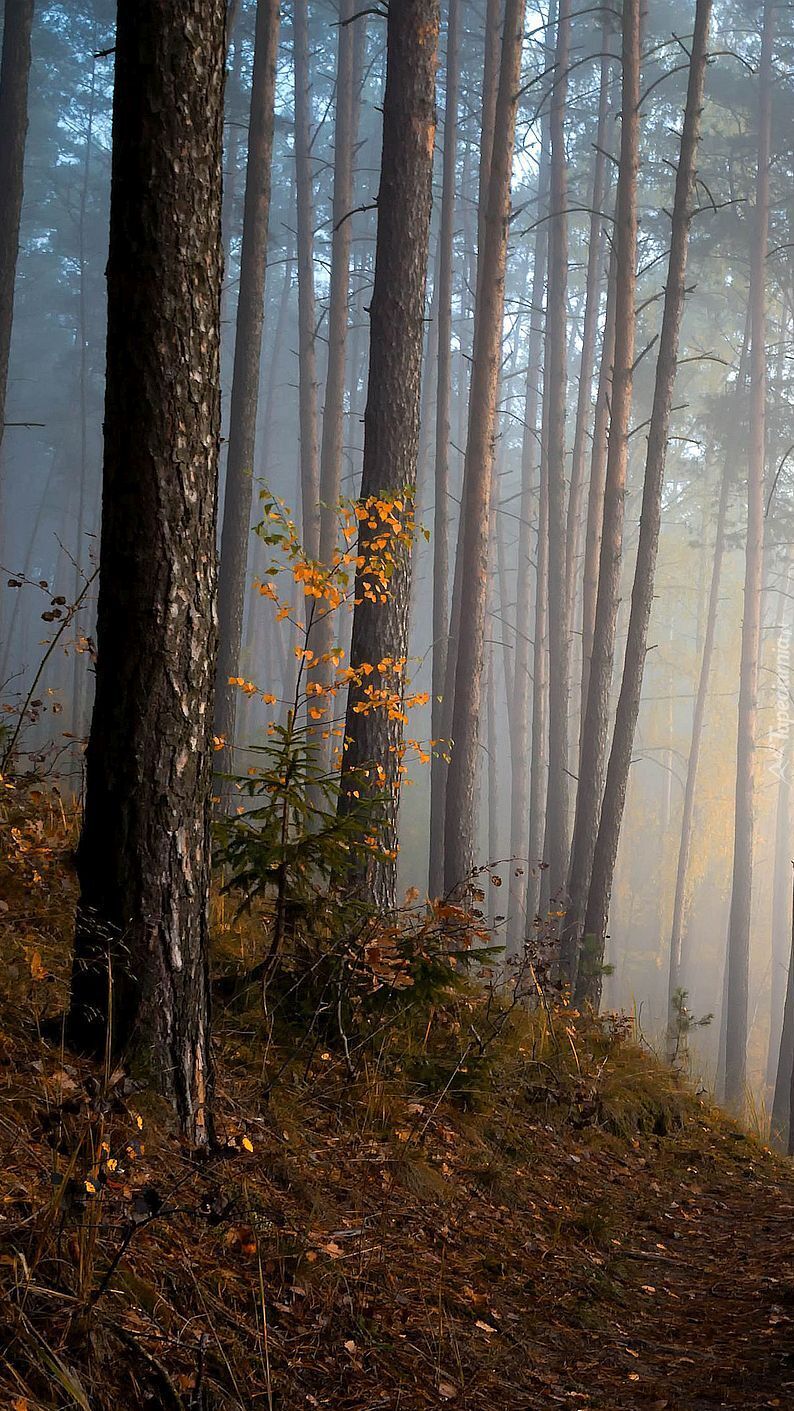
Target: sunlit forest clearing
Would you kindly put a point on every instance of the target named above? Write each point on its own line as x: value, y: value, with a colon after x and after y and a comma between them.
x: 397, y: 871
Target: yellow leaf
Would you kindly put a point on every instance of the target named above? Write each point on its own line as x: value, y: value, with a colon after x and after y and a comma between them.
x: 37, y: 970
x: 248, y: 1144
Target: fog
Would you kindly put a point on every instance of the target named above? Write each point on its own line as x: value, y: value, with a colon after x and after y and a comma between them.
x: 52, y: 449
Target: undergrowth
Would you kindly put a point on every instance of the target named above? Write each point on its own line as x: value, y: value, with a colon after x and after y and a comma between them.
x: 412, y: 1185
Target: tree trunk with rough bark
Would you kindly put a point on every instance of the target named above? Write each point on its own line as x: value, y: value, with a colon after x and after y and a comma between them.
x: 391, y: 419
x: 478, y: 469
x: 590, y: 978
x: 236, y: 531
x: 140, y: 976
x: 738, y: 954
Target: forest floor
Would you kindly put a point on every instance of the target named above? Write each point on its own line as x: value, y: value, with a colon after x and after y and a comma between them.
x: 574, y: 1228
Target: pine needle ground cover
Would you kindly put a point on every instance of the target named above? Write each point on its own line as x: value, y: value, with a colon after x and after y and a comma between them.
x: 561, y: 1223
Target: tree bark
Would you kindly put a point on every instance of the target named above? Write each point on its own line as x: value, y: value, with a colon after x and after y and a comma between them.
x: 78, y: 658
x: 391, y: 419
x: 593, y: 283
x: 589, y: 983
x: 140, y: 974
x: 595, y: 496
x: 236, y: 531
x: 596, y: 716
x: 738, y: 960
x: 438, y: 769
x: 478, y: 469
x: 780, y: 903
x: 475, y: 250
x: 348, y: 94
x: 14, y: 75
x: 307, y: 313
x: 554, y: 394
x: 520, y: 852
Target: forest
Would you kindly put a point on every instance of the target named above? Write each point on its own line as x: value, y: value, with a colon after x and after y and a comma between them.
x: 396, y: 541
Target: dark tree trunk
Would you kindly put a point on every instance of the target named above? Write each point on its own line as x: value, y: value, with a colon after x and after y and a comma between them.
x: 590, y: 982
x: 14, y: 74
x: 596, y: 717
x: 478, y: 469
x: 238, y: 496
x: 140, y: 976
x: 307, y: 343
x: 744, y: 826
x: 391, y: 420
x: 438, y: 769
x: 554, y: 393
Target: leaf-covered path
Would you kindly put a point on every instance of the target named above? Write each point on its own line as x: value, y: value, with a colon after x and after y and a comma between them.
x: 693, y: 1304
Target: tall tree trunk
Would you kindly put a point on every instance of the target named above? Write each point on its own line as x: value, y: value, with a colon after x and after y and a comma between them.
x: 475, y: 250
x: 140, y: 976
x: 492, y: 752
x: 744, y: 826
x: 780, y: 897
x: 235, y: 534
x: 621, y: 336
x: 348, y: 94
x: 14, y: 75
x: 595, y: 495
x: 590, y: 977
x: 554, y: 392
x: 593, y: 283
x: 522, y: 681
x: 257, y: 618
x: 538, y: 766
x: 438, y: 771
x: 478, y: 470
x: 307, y: 343
x: 490, y: 88
x: 391, y: 420
x: 677, y: 966
x: 78, y: 660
